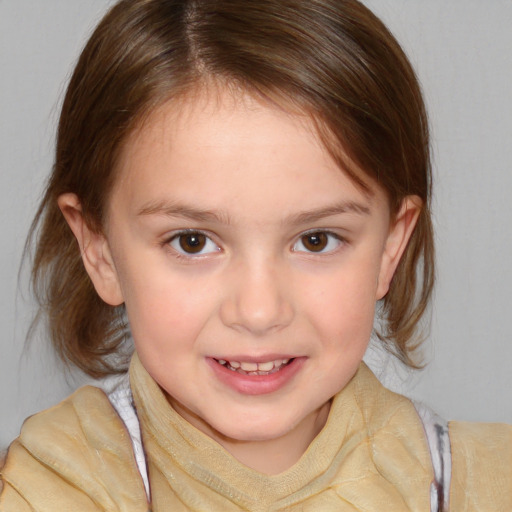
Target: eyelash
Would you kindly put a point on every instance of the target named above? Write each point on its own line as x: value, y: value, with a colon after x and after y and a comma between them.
x: 339, y: 240
x: 181, y: 253
x: 204, y: 237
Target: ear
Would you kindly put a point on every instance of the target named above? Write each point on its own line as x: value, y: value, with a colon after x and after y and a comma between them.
x: 399, y: 235
x: 95, y: 251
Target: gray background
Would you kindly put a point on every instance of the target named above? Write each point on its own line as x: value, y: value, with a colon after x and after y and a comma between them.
x: 462, y: 50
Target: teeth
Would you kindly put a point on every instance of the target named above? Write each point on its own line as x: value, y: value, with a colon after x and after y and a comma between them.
x: 249, y: 367
x: 254, y: 368
x: 265, y: 367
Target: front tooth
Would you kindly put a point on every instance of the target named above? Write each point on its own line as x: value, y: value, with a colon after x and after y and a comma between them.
x: 234, y: 364
x: 249, y: 367
x: 265, y: 367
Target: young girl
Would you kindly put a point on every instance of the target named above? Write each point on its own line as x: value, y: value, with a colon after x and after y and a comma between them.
x: 246, y: 181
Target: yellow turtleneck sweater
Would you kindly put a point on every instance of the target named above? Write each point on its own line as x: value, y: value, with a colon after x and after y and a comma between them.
x: 371, y: 456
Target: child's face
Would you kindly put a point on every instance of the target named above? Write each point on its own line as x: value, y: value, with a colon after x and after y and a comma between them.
x: 238, y: 245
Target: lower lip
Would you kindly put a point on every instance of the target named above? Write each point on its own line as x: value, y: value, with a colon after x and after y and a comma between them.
x: 256, y: 384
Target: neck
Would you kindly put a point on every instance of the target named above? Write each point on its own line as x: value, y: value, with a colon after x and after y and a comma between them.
x: 268, y: 456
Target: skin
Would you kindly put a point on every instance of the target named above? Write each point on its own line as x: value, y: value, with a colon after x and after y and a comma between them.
x: 253, y: 180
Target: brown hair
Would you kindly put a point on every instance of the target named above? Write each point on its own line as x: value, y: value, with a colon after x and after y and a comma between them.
x: 330, y: 58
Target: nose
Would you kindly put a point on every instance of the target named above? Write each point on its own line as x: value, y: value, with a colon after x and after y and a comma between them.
x: 258, y: 299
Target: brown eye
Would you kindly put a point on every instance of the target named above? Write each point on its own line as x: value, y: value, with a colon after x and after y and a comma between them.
x: 192, y: 243
x: 318, y: 242
x: 315, y: 242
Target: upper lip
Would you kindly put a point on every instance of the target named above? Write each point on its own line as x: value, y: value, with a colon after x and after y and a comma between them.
x: 254, y: 359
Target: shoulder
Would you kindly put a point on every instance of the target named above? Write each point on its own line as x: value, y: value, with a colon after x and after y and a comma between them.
x: 74, y: 416
x: 2, y: 462
x: 481, y: 466
x: 77, y: 455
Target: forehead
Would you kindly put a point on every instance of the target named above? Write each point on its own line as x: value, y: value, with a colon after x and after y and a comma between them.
x: 215, y: 145
x: 209, y: 116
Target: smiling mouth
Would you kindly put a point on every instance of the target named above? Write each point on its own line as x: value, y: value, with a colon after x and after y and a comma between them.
x: 249, y: 368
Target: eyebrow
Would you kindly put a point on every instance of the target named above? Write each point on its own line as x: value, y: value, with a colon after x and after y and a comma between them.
x: 170, y: 209
x: 329, y: 211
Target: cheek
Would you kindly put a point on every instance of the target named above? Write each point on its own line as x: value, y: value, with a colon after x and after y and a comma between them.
x: 165, y: 311
x: 342, y: 306
x: 341, y: 317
